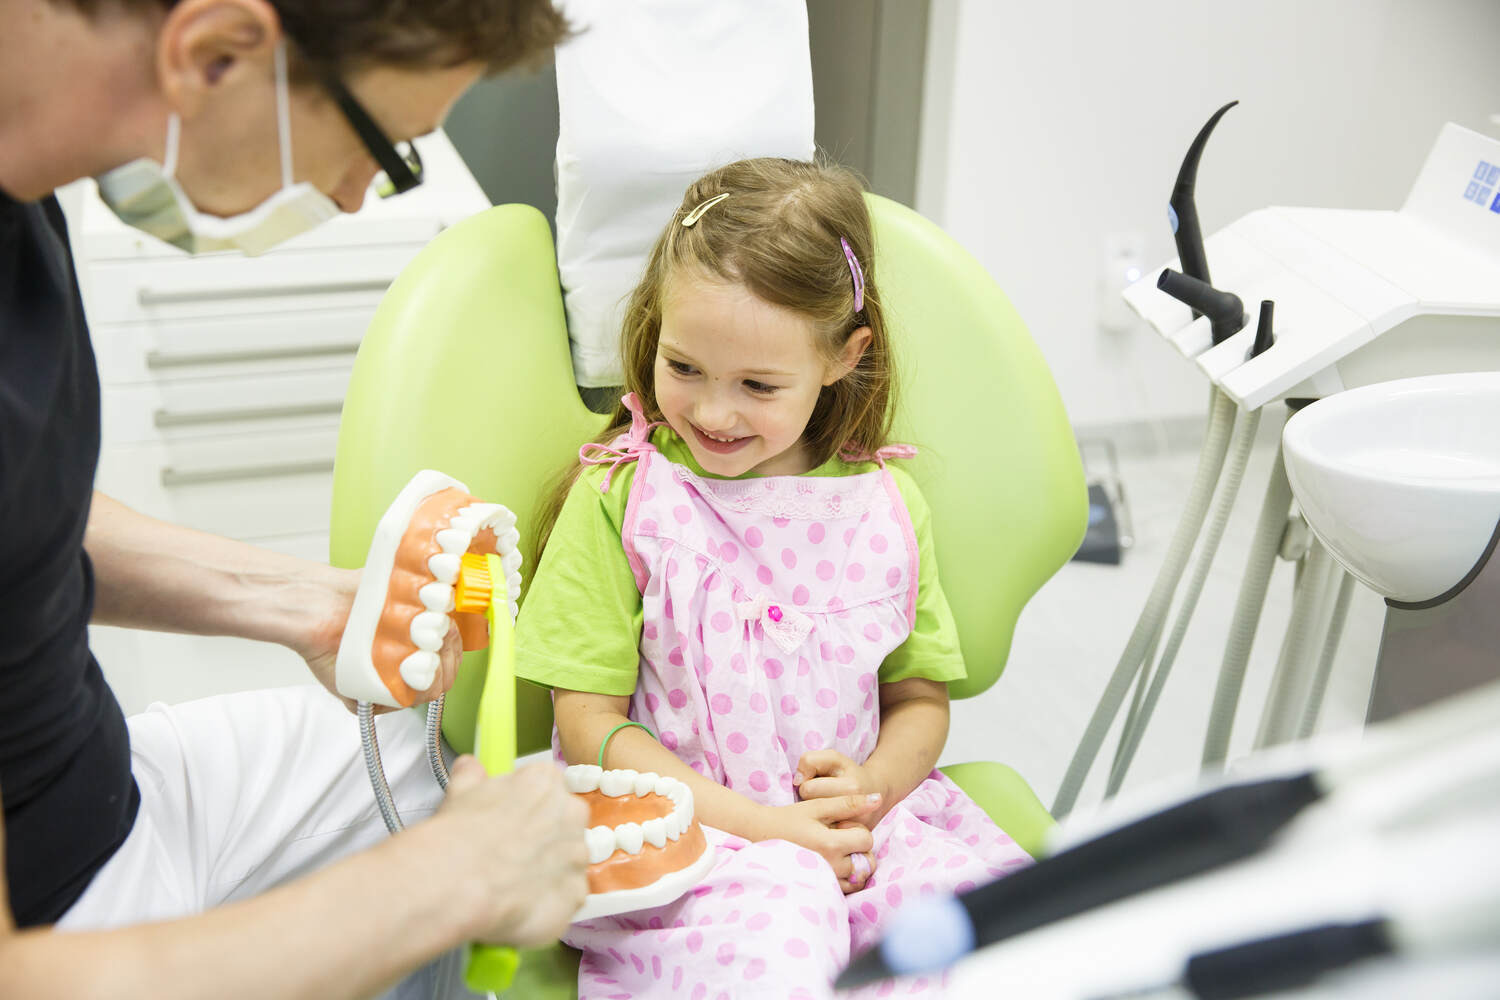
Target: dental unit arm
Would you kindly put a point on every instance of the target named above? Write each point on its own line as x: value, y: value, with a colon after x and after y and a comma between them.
x: 1225, y: 317
x: 1360, y: 297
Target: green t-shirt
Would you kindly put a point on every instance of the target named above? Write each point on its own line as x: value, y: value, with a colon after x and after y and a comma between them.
x: 580, y: 627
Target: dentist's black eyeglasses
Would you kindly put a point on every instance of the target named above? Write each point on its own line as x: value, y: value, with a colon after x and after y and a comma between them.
x: 400, y: 163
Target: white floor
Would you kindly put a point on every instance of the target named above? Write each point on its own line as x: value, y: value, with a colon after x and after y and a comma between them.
x: 1072, y: 633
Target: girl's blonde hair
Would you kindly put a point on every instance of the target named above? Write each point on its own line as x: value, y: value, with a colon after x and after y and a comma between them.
x: 778, y: 234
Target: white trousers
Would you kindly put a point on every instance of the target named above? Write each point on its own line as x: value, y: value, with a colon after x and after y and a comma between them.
x: 243, y: 792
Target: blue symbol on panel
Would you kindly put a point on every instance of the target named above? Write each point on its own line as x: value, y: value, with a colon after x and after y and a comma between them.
x: 1482, y: 171
x: 1495, y: 206
x: 1472, y: 193
x: 1493, y: 177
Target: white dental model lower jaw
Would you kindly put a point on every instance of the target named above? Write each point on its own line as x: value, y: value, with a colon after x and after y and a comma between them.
x: 356, y: 675
x: 631, y: 837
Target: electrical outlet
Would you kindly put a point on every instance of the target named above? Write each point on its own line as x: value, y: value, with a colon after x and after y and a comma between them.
x: 1123, y: 264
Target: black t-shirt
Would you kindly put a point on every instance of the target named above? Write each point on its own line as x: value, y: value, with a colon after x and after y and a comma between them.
x: 65, y: 775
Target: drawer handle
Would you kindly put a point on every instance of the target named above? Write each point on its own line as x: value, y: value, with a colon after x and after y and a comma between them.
x: 193, y: 477
x: 166, y: 418
x: 159, y: 297
x: 166, y: 359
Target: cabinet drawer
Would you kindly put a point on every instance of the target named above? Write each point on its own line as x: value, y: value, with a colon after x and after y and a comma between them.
x: 243, y: 486
x: 133, y: 353
x: 207, y: 407
x: 126, y: 292
x: 106, y: 238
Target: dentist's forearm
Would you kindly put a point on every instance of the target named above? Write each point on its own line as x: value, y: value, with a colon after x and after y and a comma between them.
x: 150, y: 574
x: 348, y: 931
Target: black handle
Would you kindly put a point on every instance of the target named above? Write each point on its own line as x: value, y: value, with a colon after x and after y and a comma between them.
x: 1225, y: 311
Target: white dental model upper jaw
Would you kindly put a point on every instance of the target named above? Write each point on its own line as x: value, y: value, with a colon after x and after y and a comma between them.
x: 356, y: 675
x: 631, y: 837
x: 428, y: 628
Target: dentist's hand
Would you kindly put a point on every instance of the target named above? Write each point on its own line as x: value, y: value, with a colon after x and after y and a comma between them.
x: 515, y: 845
x: 328, y: 613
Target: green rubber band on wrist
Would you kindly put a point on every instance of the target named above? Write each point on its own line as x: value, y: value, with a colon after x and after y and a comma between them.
x: 611, y: 735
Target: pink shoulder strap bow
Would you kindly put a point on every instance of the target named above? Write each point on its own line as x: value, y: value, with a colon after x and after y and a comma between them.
x: 850, y: 453
x: 628, y: 447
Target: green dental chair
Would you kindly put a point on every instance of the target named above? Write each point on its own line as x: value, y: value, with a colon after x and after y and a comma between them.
x: 466, y: 369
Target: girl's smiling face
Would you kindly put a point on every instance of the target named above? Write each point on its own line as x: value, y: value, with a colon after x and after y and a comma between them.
x: 737, y: 377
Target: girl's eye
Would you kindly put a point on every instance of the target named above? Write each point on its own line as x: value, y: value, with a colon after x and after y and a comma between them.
x: 760, y: 387
x: 680, y: 368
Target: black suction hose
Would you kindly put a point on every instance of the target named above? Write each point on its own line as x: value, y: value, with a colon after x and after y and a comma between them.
x: 1183, y: 213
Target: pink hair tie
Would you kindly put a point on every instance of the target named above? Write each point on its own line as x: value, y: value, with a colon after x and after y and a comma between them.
x: 857, y: 273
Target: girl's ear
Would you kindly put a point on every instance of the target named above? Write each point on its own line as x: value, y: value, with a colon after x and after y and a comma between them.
x: 849, y: 355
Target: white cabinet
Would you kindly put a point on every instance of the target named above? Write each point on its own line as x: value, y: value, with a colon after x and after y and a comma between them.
x: 222, y: 378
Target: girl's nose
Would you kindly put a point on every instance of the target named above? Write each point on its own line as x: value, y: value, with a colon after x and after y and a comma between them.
x: 712, y: 414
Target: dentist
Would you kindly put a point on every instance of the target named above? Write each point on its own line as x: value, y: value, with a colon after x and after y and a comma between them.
x: 229, y: 846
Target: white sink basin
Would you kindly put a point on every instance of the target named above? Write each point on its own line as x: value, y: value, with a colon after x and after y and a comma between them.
x: 1401, y: 480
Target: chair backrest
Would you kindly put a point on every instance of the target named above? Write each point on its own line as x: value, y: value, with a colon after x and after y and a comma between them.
x: 465, y: 368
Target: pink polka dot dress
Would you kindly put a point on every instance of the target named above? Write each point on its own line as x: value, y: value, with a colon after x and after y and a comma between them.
x: 769, y: 606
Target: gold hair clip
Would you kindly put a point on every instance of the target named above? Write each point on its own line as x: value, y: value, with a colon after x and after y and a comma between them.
x: 697, y: 213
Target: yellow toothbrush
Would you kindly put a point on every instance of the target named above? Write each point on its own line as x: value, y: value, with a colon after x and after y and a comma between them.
x: 481, y: 587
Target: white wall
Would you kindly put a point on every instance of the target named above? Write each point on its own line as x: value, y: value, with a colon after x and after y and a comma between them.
x: 1048, y: 126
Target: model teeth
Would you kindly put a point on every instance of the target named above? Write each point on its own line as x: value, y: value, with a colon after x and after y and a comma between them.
x: 630, y: 837
x: 437, y: 597
x: 428, y: 630
x: 617, y: 783
x: 454, y: 541
x: 444, y: 567
x: 655, y: 831
x: 601, y: 843
x: 582, y: 778
x: 419, y: 670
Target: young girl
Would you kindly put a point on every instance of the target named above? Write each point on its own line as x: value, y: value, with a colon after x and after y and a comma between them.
x: 740, y: 592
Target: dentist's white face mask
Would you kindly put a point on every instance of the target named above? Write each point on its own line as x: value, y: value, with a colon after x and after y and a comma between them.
x: 146, y: 195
